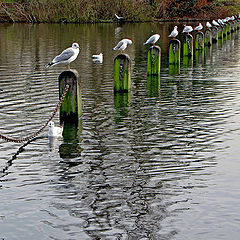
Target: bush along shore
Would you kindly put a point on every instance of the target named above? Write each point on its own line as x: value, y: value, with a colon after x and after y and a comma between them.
x: 85, y: 11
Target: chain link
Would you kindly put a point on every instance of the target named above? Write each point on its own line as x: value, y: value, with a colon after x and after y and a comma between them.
x: 19, y: 140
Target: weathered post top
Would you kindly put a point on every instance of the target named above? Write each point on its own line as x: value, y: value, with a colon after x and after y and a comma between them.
x: 122, y: 73
x: 154, y: 60
x: 71, y: 108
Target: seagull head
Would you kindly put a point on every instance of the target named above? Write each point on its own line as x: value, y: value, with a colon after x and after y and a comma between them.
x: 75, y: 45
x: 51, y: 124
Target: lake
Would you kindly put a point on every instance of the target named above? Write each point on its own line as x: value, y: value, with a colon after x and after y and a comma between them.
x: 154, y: 163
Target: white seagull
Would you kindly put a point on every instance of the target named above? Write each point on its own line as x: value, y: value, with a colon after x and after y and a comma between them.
x: 174, y: 32
x: 187, y: 29
x: 208, y: 24
x: 199, y: 27
x: 220, y: 22
x: 153, y: 39
x: 122, y: 45
x: 54, y: 131
x: 98, y: 58
x: 67, y: 56
x: 215, y: 23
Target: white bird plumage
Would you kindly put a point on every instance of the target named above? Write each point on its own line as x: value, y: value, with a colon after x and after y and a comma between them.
x: 208, y: 24
x: 122, y: 45
x: 54, y: 131
x: 119, y: 18
x: 199, y: 27
x: 187, y: 29
x: 98, y: 58
x: 153, y: 39
x: 174, y: 32
x: 215, y: 23
x: 67, y: 56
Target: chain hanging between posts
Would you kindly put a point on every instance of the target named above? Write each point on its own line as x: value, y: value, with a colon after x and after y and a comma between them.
x: 18, y: 140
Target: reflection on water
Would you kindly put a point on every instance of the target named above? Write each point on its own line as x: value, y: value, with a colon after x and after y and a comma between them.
x: 160, y: 162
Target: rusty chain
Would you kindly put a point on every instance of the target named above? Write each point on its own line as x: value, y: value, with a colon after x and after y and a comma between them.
x: 24, y: 139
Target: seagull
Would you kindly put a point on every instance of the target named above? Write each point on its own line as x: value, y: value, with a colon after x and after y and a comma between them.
x: 187, y: 29
x: 215, y: 23
x: 67, y: 56
x: 199, y: 27
x: 120, y: 19
x: 98, y: 58
x: 54, y: 131
x: 174, y: 32
x: 208, y: 24
x: 153, y: 39
x: 122, y: 45
x: 220, y: 22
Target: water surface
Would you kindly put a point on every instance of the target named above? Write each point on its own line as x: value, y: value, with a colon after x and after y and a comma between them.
x: 157, y: 163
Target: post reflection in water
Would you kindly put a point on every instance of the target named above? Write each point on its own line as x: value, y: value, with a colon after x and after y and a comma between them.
x: 158, y: 162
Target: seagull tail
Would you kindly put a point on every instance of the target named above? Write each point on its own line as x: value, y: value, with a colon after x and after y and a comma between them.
x: 49, y: 64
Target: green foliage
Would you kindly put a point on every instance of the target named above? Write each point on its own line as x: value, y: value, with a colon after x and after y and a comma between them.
x: 104, y: 10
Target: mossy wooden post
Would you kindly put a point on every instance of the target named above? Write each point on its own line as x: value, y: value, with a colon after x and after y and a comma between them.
x: 174, y: 56
x: 208, y: 38
x: 188, y: 45
x: 224, y: 31
x: 199, y: 41
x: 220, y: 33
x: 153, y: 85
x: 154, y: 60
x: 214, y: 34
x: 228, y: 28
x: 71, y: 108
x: 122, y: 73
x: 174, y: 52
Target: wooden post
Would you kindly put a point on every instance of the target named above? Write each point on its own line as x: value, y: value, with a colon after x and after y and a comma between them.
x: 228, y: 28
x: 174, y: 69
x: 224, y: 31
x: 208, y: 38
x: 220, y: 33
x: 122, y: 73
x: 153, y: 85
x: 214, y: 34
x: 188, y: 45
x: 199, y: 41
x: 121, y: 102
x: 154, y: 60
x: 71, y: 108
x: 174, y: 52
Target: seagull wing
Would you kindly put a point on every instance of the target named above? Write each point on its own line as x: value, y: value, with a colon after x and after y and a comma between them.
x: 119, y: 45
x: 64, y: 56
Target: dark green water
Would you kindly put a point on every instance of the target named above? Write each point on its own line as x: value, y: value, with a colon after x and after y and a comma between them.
x: 157, y: 163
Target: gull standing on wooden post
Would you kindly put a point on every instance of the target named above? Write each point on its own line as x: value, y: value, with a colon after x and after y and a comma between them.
x: 199, y: 27
x: 153, y: 39
x: 174, y: 33
x: 122, y: 45
x: 187, y: 29
x: 67, y: 56
x: 208, y: 25
x: 215, y: 23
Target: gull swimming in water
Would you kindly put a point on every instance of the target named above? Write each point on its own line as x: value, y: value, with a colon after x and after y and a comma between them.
x: 98, y: 58
x: 174, y: 32
x: 54, y: 131
x: 215, y: 23
x: 67, y: 56
x: 209, y: 25
x: 199, y: 27
x: 187, y: 29
x: 153, y: 39
x: 122, y: 45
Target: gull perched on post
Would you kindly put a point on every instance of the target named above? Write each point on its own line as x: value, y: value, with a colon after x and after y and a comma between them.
x: 187, y: 29
x: 174, y: 32
x: 153, y: 39
x: 215, y: 23
x: 199, y: 27
x: 209, y: 25
x: 67, y: 56
x: 122, y: 45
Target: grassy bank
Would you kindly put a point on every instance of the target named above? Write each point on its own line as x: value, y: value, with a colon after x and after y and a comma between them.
x: 103, y: 10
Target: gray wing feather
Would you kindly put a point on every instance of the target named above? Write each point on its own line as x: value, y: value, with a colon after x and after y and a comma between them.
x: 119, y: 45
x: 64, y: 56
